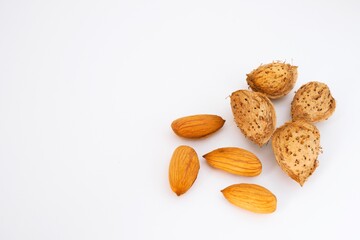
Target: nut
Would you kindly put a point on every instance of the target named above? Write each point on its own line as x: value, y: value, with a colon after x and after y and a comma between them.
x: 197, y: 126
x: 274, y: 80
x: 251, y: 197
x: 183, y: 169
x: 254, y: 114
x: 313, y: 102
x: 296, y: 146
x: 234, y: 160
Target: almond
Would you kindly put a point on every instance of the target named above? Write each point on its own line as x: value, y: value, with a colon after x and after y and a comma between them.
x: 254, y: 114
x: 296, y: 146
x: 183, y: 169
x: 274, y: 80
x: 313, y: 102
x: 197, y: 126
x: 234, y: 160
x: 251, y: 197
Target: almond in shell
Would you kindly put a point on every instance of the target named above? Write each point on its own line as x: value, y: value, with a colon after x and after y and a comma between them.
x: 254, y: 114
x: 313, y: 102
x: 296, y: 146
x: 274, y: 80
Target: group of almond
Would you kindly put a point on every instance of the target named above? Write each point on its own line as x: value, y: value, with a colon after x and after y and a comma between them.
x: 296, y: 144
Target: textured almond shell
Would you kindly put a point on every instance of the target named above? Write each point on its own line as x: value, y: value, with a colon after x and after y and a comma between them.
x: 254, y: 114
x: 296, y: 146
x: 183, y: 169
x: 197, y: 126
x: 313, y: 102
x: 234, y: 160
x: 274, y: 80
x: 251, y: 197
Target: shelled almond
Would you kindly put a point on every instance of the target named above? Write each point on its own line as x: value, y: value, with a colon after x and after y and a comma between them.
x: 197, y: 126
x: 252, y: 197
x: 234, y: 160
x: 183, y: 169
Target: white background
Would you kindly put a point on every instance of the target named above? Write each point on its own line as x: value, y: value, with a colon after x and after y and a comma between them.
x: 88, y: 90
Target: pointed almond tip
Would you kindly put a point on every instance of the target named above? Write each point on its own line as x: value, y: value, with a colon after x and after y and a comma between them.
x: 178, y: 193
x: 222, y: 122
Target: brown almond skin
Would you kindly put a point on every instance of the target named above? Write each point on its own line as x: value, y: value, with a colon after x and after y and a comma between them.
x: 254, y: 114
x: 197, y: 126
x: 274, y: 79
x: 234, y: 160
x: 296, y: 146
x: 252, y: 197
x: 183, y: 169
x: 313, y: 102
